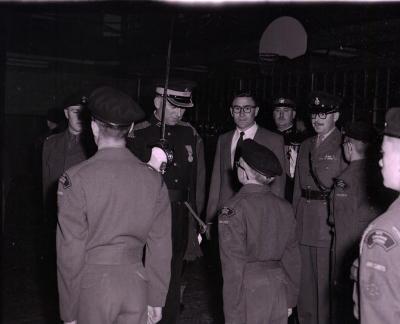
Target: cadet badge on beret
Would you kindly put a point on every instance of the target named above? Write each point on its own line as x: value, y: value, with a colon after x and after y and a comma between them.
x: 380, y: 238
x: 65, y: 180
x: 226, y: 211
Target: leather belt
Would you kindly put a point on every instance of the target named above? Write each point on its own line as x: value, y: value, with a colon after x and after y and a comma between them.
x: 178, y: 195
x: 314, y: 194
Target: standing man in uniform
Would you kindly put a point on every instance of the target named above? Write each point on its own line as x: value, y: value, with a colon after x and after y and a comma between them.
x: 284, y: 115
x: 379, y: 273
x: 319, y: 162
x: 259, y: 250
x: 353, y: 209
x: 184, y: 177
x: 64, y: 150
x: 224, y: 182
x: 110, y: 207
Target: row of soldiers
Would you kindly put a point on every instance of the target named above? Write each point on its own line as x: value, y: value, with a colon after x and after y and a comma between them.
x: 113, y: 204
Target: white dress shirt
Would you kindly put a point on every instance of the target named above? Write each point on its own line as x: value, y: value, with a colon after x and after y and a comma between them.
x: 248, y: 133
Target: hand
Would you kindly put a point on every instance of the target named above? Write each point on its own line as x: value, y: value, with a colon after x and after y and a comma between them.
x: 289, y: 312
x: 154, y: 314
x: 208, y: 231
x: 73, y: 322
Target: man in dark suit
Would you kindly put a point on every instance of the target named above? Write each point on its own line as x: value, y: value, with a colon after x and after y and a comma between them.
x: 63, y: 150
x: 224, y: 182
x: 319, y: 162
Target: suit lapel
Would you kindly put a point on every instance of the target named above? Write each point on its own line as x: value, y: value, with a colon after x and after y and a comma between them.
x: 226, y: 147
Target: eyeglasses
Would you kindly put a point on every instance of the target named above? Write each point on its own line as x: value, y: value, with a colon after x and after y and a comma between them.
x: 321, y: 115
x: 245, y: 109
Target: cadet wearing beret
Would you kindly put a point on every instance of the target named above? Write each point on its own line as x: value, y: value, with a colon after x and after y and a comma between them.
x: 63, y: 150
x: 284, y: 115
x: 319, y: 162
x: 353, y: 209
x: 185, y: 177
x: 259, y: 250
x: 111, y: 207
x: 379, y: 273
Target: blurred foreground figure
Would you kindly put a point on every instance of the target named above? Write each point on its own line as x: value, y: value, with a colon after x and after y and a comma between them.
x: 379, y: 273
x: 111, y: 207
x: 259, y: 251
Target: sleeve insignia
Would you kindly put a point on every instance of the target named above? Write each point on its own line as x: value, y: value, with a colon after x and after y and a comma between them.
x: 226, y: 212
x: 339, y: 183
x: 380, y: 238
x: 65, y: 180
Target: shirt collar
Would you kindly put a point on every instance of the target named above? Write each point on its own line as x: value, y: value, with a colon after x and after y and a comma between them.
x: 249, y: 132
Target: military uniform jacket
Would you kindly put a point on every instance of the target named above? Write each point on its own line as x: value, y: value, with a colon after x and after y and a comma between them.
x: 353, y: 210
x: 222, y: 179
x: 256, y: 226
x: 327, y: 162
x: 113, y: 201
x: 59, y: 154
x: 187, y: 172
x: 379, y: 276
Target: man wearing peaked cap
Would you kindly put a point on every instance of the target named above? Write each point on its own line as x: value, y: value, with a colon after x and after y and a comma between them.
x: 354, y: 207
x: 259, y: 251
x: 65, y: 149
x: 319, y: 162
x: 380, y: 245
x: 284, y: 116
x: 111, y: 207
x: 184, y: 177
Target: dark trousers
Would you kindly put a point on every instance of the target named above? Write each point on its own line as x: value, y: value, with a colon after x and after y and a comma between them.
x: 313, y: 302
x: 265, y: 296
x: 113, y: 294
x: 170, y: 313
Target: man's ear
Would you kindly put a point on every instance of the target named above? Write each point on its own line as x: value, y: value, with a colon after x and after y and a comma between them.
x: 336, y: 116
x: 95, y: 128
x: 157, y: 102
x: 231, y: 110
x: 256, y: 111
x: 66, y: 113
x: 294, y: 114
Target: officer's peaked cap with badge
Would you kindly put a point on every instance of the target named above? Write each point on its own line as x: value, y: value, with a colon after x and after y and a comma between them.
x: 361, y: 131
x: 260, y: 158
x: 78, y: 98
x: 323, y: 102
x: 284, y: 102
x: 114, y: 107
x: 392, y: 122
x: 179, y: 92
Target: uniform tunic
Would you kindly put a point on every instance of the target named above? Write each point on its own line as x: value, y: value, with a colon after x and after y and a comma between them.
x: 312, y: 223
x: 259, y: 256
x: 110, y: 207
x: 353, y: 210
x: 60, y: 152
x: 379, y: 276
x: 185, y: 180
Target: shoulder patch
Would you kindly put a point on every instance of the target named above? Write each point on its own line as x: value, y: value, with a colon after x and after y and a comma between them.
x: 380, y: 238
x: 66, y: 181
x: 226, y: 212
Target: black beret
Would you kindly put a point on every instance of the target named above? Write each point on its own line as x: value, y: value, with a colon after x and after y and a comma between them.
x: 392, y: 122
x: 283, y: 102
x: 179, y: 92
x: 324, y: 102
x: 360, y: 131
x: 260, y: 158
x: 114, y: 107
x: 75, y: 99
x: 55, y: 115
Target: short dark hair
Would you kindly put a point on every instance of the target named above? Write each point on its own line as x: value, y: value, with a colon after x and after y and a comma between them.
x: 244, y: 94
x: 111, y: 131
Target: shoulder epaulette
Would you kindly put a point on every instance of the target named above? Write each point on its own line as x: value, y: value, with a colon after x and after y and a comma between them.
x: 142, y: 125
x: 187, y: 124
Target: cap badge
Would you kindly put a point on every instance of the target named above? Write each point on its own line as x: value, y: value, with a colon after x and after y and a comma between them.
x: 281, y: 100
x: 317, y: 101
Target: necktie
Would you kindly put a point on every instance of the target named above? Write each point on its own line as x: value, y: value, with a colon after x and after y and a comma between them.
x: 318, y: 141
x: 237, y: 151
